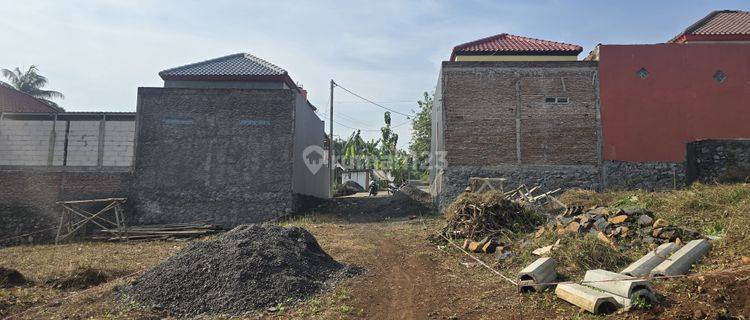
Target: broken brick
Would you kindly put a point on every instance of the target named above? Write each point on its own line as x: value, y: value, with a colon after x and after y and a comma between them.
x: 619, y: 219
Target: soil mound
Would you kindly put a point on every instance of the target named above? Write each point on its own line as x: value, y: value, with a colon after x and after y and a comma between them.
x: 415, y: 193
x: 11, y: 278
x: 349, y: 188
x: 81, y: 278
x: 247, y: 268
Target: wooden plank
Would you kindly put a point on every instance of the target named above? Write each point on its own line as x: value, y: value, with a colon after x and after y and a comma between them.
x: 91, y: 201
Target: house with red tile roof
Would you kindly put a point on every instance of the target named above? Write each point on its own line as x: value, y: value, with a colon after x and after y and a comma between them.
x: 718, y: 26
x: 627, y: 117
x: 508, y: 47
x: 517, y: 108
x: 12, y: 100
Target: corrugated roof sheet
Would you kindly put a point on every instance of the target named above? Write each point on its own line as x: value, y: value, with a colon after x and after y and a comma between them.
x: 240, y: 64
x: 718, y: 23
x: 508, y: 43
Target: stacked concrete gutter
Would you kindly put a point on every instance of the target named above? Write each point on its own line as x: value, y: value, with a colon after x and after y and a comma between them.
x: 604, y: 291
x: 645, y: 264
x: 681, y: 261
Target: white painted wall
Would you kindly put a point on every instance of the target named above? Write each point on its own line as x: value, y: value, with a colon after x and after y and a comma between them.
x: 27, y: 143
x: 359, y: 177
x: 24, y: 142
x: 83, y: 143
x: 118, y: 143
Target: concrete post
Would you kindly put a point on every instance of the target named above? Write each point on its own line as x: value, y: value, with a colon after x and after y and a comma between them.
x: 628, y: 287
x: 645, y: 264
x: 533, y: 277
x: 589, y: 299
x: 681, y: 261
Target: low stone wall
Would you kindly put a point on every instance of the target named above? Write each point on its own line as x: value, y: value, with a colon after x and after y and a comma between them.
x: 456, y: 178
x: 648, y: 176
x: 27, y: 198
x: 724, y: 161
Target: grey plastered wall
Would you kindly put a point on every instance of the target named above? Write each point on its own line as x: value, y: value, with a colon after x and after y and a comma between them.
x: 218, y: 154
x: 310, y: 179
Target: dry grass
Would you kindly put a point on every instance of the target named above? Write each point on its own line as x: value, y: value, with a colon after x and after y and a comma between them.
x: 42, y: 264
x: 714, y: 210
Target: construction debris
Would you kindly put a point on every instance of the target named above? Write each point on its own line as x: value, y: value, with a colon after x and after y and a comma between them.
x: 681, y: 261
x: 488, y: 215
x: 248, y: 268
x: 546, y: 250
x: 175, y: 231
x: 614, y: 226
x: 537, y: 275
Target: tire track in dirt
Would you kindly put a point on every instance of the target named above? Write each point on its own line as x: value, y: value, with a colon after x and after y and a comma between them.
x: 399, y: 283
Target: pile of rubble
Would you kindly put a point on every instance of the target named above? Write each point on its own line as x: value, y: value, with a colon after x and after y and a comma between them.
x: 626, y: 226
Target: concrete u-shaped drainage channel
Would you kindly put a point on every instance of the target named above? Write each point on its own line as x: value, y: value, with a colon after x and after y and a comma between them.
x: 603, y: 291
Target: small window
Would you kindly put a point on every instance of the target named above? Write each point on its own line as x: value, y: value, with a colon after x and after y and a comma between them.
x: 642, y: 73
x: 550, y: 100
x: 720, y: 76
x: 562, y: 100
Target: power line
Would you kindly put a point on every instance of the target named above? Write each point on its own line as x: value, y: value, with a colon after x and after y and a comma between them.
x: 393, y: 101
x: 351, y: 118
x: 401, y: 124
x: 372, y: 102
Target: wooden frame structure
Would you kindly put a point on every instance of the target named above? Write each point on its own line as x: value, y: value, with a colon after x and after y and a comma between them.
x: 73, y: 217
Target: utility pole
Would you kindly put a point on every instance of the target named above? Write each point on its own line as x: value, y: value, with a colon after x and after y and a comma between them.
x: 331, y: 165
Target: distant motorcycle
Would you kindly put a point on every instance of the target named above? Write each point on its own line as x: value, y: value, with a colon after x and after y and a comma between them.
x: 373, y: 189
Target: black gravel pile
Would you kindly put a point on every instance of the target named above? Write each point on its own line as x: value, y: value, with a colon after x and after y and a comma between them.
x: 247, y: 268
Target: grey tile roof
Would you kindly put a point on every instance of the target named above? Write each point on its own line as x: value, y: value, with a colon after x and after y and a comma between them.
x: 240, y: 64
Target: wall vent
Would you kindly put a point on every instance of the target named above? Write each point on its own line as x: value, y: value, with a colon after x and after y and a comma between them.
x: 720, y: 76
x: 642, y: 73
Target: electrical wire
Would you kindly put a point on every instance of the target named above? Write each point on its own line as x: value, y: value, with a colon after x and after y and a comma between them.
x: 372, y: 102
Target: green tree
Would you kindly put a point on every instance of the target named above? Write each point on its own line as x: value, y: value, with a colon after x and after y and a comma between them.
x: 421, y: 125
x: 31, y: 83
x: 389, y: 138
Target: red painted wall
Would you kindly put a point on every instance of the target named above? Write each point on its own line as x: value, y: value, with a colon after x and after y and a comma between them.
x: 651, y: 119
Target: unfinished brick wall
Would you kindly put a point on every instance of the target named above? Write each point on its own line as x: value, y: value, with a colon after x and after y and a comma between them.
x: 496, y: 122
x: 491, y: 107
x: 27, y: 198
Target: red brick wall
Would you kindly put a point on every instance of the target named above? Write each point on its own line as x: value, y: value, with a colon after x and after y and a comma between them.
x: 482, y: 101
x: 652, y: 119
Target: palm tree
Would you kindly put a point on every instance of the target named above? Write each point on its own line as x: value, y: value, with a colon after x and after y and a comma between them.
x: 31, y: 83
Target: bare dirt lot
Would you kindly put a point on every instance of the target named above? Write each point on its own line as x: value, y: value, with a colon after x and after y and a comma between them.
x: 406, y: 276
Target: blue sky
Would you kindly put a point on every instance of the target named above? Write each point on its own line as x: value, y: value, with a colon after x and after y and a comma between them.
x: 98, y: 52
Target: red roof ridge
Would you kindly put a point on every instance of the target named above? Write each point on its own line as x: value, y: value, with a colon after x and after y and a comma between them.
x: 700, y: 23
x: 562, y: 46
